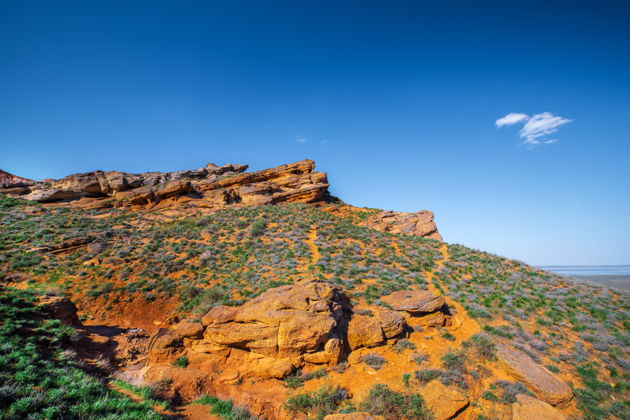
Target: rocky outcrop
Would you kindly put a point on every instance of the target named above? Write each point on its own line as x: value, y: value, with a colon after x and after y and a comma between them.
x: 10, y: 179
x: 414, y: 302
x: 414, y: 224
x: 530, y: 408
x: 444, y: 402
x: 284, y: 328
x: 210, y: 186
x: 541, y: 381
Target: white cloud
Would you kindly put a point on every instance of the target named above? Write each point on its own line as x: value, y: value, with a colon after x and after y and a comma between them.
x: 510, y: 119
x: 536, y: 127
x: 301, y: 140
x: 539, y: 126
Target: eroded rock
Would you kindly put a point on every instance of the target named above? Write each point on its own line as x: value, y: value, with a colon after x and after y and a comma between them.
x: 444, y: 402
x: 530, y: 408
x: 414, y: 301
x: 414, y: 224
x: 541, y: 381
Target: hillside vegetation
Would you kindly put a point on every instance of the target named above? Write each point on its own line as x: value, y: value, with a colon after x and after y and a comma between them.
x: 104, y: 259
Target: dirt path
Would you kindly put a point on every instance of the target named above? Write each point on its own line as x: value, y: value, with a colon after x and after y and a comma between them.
x: 463, y: 326
x: 310, y: 241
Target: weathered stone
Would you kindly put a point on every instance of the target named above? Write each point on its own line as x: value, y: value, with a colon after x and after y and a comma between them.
x: 444, y: 402
x: 530, y: 408
x: 541, y: 381
x: 284, y: 321
x: 414, y: 224
x: 414, y: 301
x: 96, y: 247
x: 392, y: 322
x: 189, y: 329
x: 164, y: 346
x: 364, y: 331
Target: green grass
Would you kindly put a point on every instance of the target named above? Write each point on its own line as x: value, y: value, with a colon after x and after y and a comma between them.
x: 224, y: 409
x: 38, y: 379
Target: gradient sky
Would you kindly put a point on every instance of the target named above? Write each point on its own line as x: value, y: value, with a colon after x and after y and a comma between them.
x: 397, y: 101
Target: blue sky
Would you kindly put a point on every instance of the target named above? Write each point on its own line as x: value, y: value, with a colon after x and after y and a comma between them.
x: 397, y: 101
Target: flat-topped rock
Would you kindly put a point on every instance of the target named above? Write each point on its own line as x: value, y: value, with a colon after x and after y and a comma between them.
x: 414, y: 301
x: 415, y: 224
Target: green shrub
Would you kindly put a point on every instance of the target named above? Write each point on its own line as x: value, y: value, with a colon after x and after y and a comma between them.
x: 319, y: 403
x: 390, y: 404
x: 224, y: 409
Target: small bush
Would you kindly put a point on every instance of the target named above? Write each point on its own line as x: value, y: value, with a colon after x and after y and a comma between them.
x: 319, y: 403
x: 181, y: 362
x: 385, y: 402
x: 374, y: 361
x: 401, y: 345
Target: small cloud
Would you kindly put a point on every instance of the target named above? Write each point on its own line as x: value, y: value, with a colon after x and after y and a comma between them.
x: 536, y: 127
x: 541, y: 125
x: 510, y: 119
x: 301, y: 140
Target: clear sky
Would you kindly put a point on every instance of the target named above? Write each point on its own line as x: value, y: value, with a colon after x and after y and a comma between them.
x: 405, y: 104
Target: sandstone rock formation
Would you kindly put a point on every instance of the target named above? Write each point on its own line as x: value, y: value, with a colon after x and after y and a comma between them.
x: 541, y: 381
x: 210, y: 186
x: 10, y: 179
x: 272, y: 334
x: 530, y: 408
x: 414, y: 224
x: 444, y: 402
x: 414, y: 301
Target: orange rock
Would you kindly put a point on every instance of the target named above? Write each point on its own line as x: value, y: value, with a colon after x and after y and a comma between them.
x: 414, y: 301
x: 364, y: 331
x: 284, y: 321
x: 444, y: 402
x: 189, y: 329
x: 541, y: 381
x: 164, y: 346
x: 435, y: 319
x: 414, y: 224
x: 393, y: 323
x: 530, y: 408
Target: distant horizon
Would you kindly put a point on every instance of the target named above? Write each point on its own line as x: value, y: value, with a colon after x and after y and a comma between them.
x: 514, y: 137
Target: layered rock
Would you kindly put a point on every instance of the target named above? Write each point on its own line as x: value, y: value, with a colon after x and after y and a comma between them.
x: 210, y: 186
x: 541, y: 381
x: 283, y: 328
x: 415, y: 224
x: 10, y: 179
x: 415, y: 302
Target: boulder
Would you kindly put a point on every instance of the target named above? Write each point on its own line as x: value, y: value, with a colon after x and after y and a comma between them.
x: 364, y: 331
x: 189, y: 329
x: 541, y: 381
x: 444, y: 402
x: 284, y: 321
x: 414, y: 301
x: 164, y: 346
x: 392, y: 322
x: 530, y: 408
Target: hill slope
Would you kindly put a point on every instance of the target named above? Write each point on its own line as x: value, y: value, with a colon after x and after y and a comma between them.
x: 303, y: 310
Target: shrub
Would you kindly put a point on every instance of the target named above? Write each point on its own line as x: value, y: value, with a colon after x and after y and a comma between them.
x: 374, y: 361
x: 403, y: 344
x: 318, y: 403
x: 385, y: 402
x: 181, y: 362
